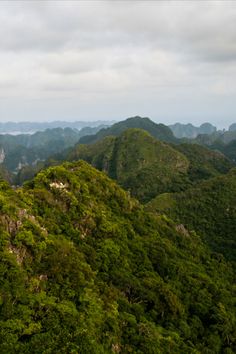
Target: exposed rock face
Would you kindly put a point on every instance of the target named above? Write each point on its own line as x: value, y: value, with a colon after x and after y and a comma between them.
x: 182, y: 230
x: 11, y: 226
x: 2, y: 155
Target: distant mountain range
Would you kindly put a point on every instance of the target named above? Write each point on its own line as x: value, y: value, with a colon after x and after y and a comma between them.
x: 190, y: 131
x: 31, y: 127
x: 17, y: 151
x: 179, y: 130
x: 111, y: 149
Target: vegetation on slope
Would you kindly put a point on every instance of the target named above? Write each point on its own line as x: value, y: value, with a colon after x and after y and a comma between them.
x: 208, y: 208
x: 148, y: 167
x: 85, y: 270
x: 203, y: 162
x: 158, y: 131
x: 141, y: 164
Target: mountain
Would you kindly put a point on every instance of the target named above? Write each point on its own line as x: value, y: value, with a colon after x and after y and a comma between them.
x: 190, y: 131
x: 224, y: 137
x: 147, y: 167
x: 228, y: 150
x: 222, y: 142
x: 31, y: 127
x: 158, y: 131
x: 5, y: 175
x: 208, y: 208
x: 203, y: 162
x: 232, y: 127
x: 140, y: 163
x: 27, y: 150
x: 84, y: 269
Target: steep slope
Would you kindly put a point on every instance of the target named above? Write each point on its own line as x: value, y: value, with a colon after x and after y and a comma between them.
x: 5, y: 174
x: 209, y: 209
x: 85, y: 270
x: 203, y: 162
x: 141, y: 164
x: 224, y: 137
x: 147, y: 167
x: 158, y: 131
x: 228, y: 150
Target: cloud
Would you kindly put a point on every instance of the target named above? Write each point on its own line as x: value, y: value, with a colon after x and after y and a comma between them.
x: 116, y: 55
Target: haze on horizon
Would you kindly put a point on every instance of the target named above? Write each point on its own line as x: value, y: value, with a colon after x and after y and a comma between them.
x: 108, y: 60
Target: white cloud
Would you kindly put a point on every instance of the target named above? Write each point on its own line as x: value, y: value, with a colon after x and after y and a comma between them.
x: 103, y: 59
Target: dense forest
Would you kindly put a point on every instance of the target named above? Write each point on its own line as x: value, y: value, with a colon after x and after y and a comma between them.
x: 124, y: 244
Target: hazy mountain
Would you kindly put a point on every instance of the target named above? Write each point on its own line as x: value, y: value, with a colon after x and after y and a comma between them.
x: 224, y: 142
x: 31, y: 127
x: 232, y: 127
x: 218, y: 137
x: 190, y: 131
x: 27, y: 150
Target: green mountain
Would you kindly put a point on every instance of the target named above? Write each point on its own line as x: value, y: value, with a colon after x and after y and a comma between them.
x: 203, y: 162
x: 141, y: 164
x: 158, y: 131
x: 228, y: 150
x: 147, y: 167
x: 223, y: 137
x: 83, y: 269
x: 221, y: 141
x: 208, y: 208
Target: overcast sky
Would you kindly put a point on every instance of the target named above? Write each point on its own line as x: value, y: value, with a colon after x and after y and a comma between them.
x: 89, y: 60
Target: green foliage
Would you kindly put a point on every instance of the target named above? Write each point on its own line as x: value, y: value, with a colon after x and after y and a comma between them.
x: 158, y: 131
x: 144, y: 166
x: 85, y: 270
x: 204, y: 163
x: 208, y: 208
x: 147, y: 167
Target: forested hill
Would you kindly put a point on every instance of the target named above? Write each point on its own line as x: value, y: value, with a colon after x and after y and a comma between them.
x: 204, y: 163
x: 147, y: 167
x: 140, y: 163
x: 208, y: 208
x: 158, y: 131
x: 85, y: 270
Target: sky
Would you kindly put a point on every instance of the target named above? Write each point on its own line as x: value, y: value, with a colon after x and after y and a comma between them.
x: 109, y: 60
